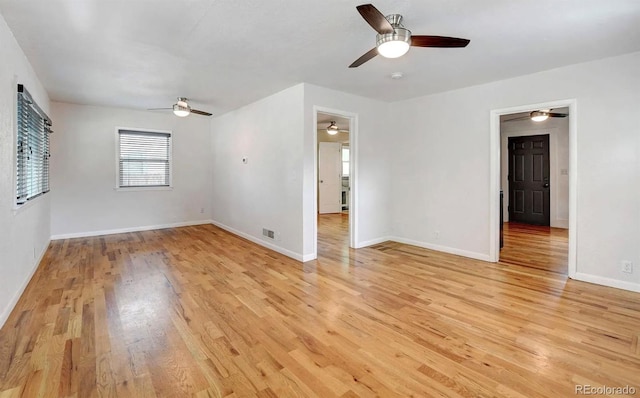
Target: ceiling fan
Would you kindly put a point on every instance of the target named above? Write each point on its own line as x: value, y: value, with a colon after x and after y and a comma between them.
x: 332, y: 129
x: 538, y: 116
x: 393, y: 39
x: 182, y: 109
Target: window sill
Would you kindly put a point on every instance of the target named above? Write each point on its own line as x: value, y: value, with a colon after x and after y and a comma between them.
x: 30, y: 203
x: 137, y: 189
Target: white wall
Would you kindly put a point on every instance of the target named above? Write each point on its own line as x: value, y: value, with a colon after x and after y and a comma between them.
x: 24, y: 234
x: 558, y: 131
x: 276, y: 188
x: 83, y: 172
x: 266, y: 192
x: 441, y: 163
x: 370, y: 152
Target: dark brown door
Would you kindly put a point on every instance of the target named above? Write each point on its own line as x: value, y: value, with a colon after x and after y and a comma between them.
x: 529, y: 200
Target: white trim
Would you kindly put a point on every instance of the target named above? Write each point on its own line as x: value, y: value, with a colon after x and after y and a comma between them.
x: 372, y: 242
x: 314, y: 250
x: 353, y: 174
x: 16, y: 297
x: 125, y: 230
x: 444, y: 249
x: 14, y: 152
x: 309, y: 257
x: 494, y: 176
x: 601, y: 280
x: 151, y: 188
x: 561, y: 223
x: 268, y: 245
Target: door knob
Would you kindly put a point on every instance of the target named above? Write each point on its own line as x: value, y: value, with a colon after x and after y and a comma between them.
x: 321, y: 181
x: 546, y: 185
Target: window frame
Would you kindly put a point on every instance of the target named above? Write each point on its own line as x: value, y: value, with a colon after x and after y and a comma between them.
x: 21, y: 90
x: 117, y: 162
x: 348, y: 162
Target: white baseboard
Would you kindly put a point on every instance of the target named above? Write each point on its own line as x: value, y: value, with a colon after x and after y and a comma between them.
x: 268, y: 245
x: 359, y: 245
x: 14, y: 300
x: 560, y: 224
x: 309, y: 257
x: 601, y: 280
x: 125, y: 230
x: 372, y: 242
x: 444, y: 249
x: 430, y: 246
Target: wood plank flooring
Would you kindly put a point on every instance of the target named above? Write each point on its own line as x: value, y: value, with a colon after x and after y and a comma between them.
x: 196, y: 311
x: 535, y: 246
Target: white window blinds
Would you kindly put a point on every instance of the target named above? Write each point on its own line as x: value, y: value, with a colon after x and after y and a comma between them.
x: 144, y: 159
x: 32, y: 148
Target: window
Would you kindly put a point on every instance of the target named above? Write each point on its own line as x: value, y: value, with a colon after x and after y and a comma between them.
x: 144, y: 158
x: 345, y: 161
x: 32, y: 148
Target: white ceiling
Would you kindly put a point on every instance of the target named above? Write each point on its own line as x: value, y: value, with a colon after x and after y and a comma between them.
x: 223, y: 54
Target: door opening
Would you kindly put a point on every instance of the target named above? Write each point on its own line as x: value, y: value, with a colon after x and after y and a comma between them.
x: 335, y: 178
x: 534, y: 166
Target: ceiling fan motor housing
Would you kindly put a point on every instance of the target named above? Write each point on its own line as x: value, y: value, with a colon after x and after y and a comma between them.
x: 397, y: 42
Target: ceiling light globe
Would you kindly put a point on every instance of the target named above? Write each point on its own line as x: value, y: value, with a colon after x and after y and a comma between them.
x: 538, y: 116
x: 332, y: 129
x: 394, y: 45
x: 181, y: 111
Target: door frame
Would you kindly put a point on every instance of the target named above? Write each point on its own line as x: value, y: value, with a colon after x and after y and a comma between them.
x: 353, y: 172
x: 494, y: 176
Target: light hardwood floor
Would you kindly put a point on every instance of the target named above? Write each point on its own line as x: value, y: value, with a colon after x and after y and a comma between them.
x: 535, y: 246
x: 196, y: 311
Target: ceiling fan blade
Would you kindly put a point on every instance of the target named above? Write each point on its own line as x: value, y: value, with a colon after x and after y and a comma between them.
x: 515, y: 119
x: 203, y: 113
x: 438, y: 41
x: 366, y: 57
x: 159, y: 109
x: 375, y: 18
x: 558, y: 115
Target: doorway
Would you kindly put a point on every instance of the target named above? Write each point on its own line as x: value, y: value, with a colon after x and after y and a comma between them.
x: 539, y: 204
x: 335, y: 178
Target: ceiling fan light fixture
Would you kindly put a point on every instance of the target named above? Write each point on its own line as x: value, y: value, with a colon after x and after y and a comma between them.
x: 332, y: 129
x: 181, y: 108
x: 181, y: 111
x: 394, y: 45
x: 539, y: 116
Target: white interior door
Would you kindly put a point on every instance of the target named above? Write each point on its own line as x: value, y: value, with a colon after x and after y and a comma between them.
x: 329, y: 177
